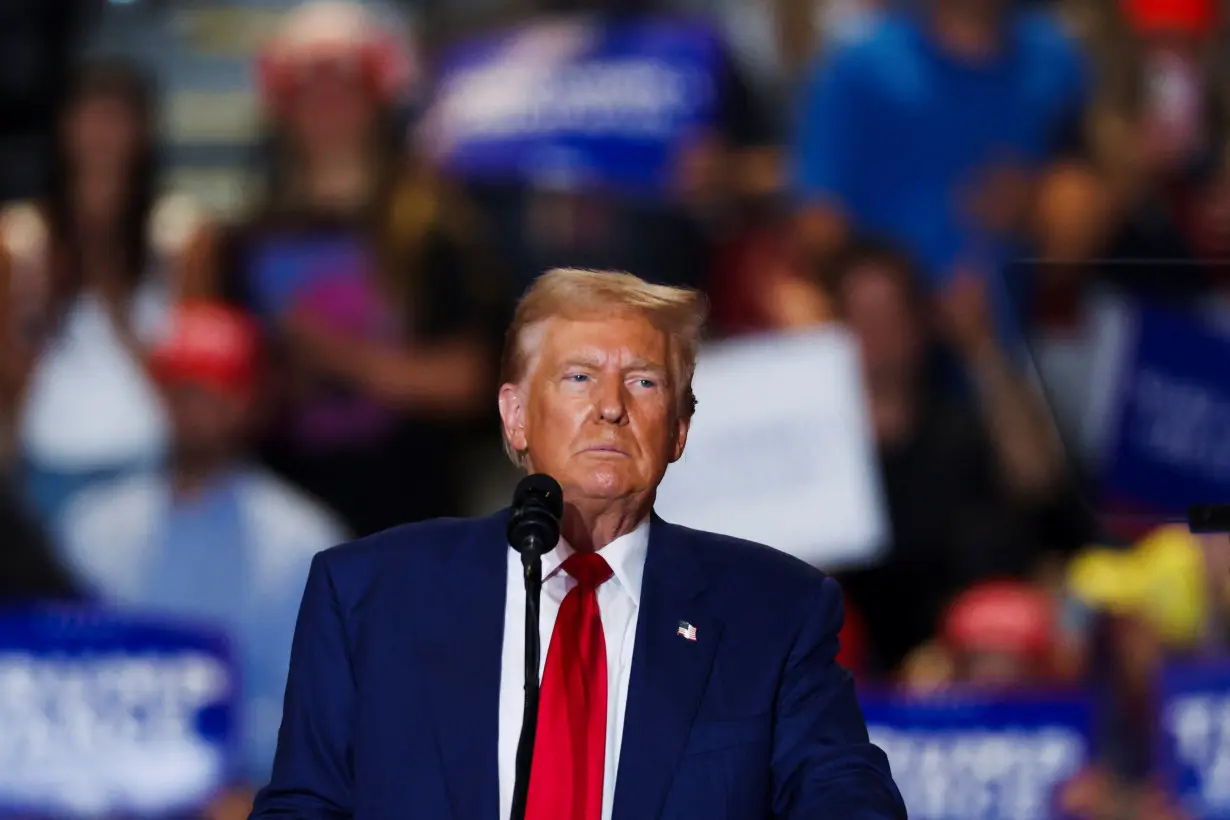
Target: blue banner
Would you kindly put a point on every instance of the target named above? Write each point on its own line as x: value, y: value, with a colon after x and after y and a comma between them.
x: 576, y: 104
x: 106, y: 715
x: 965, y: 756
x: 1169, y: 442
x: 1194, y: 741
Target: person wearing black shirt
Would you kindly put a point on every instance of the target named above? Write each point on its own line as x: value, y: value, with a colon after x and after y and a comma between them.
x: 976, y: 487
x: 363, y: 269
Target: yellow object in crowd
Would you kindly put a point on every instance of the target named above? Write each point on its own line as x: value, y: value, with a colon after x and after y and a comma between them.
x: 1161, y: 579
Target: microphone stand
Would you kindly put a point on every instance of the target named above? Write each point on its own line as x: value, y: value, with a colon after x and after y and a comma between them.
x: 531, y: 562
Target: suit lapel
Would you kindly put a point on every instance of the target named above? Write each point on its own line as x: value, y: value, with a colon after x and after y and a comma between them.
x: 463, y: 666
x: 669, y: 673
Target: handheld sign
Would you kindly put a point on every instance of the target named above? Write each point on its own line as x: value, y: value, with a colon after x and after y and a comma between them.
x: 780, y: 450
x: 964, y: 756
x: 576, y: 103
x: 104, y: 714
x: 1194, y: 742
x: 1166, y: 421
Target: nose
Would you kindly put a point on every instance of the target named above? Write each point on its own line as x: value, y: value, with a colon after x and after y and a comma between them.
x: 610, y: 402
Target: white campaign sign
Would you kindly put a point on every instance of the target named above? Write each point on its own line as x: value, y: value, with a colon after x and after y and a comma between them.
x: 781, y: 451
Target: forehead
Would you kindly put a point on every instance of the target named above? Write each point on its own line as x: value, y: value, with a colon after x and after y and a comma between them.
x: 604, y: 340
x: 102, y: 101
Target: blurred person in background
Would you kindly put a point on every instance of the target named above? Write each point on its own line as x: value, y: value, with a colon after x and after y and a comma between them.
x: 1133, y: 608
x: 944, y: 128
x: 570, y: 208
x: 776, y: 41
x: 1160, y: 136
x: 973, y: 489
x: 29, y: 569
x: 87, y: 274
x: 997, y: 636
x: 210, y: 536
x: 362, y: 265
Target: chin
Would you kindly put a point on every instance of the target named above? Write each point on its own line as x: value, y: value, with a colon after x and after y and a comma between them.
x: 604, y: 483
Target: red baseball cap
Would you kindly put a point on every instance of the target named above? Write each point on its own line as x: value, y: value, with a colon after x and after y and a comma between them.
x: 209, y: 344
x: 339, y: 36
x: 1001, y: 616
x: 1193, y: 17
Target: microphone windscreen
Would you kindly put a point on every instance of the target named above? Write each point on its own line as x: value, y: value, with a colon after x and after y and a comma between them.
x: 542, y: 487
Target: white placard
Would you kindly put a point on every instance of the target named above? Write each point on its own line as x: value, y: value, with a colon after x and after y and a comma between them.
x: 781, y: 450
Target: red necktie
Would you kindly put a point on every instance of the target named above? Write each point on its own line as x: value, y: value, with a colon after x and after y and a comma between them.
x: 570, y: 745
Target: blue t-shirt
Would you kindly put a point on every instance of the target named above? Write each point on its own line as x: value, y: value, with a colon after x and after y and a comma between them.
x: 896, y: 132
x: 235, y: 555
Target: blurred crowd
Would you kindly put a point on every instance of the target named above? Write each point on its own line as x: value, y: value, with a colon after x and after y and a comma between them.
x: 191, y: 407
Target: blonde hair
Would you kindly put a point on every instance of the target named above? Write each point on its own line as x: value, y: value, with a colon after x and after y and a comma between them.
x: 573, y: 293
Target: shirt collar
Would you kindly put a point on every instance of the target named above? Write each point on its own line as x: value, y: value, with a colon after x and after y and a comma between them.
x: 625, y: 555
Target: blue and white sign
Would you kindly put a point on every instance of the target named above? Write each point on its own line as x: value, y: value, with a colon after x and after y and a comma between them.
x: 964, y: 756
x: 575, y: 103
x: 104, y: 715
x: 1194, y: 753
x: 1167, y: 442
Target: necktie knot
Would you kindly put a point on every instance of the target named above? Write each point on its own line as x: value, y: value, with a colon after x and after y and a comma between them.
x: 588, y: 568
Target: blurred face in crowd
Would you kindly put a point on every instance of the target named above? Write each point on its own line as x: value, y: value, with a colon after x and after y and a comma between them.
x: 102, y: 130
x: 570, y: 6
x: 331, y: 110
x: 1175, y: 96
x: 996, y: 670
x: 878, y: 310
x: 980, y: 8
x: 597, y: 410
x: 208, y: 423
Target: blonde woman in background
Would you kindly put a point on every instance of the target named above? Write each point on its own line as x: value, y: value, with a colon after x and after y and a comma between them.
x: 87, y: 274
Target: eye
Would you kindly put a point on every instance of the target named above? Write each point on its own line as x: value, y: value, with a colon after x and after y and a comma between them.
x: 648, y: 384
x: 577, y: 378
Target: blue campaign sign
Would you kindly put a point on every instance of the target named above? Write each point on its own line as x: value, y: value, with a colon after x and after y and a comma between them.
x: 1194, y: 741
x: 967, y: 756
x: 111, y: 715
x: 576, y: 103
x: 1169, y: 438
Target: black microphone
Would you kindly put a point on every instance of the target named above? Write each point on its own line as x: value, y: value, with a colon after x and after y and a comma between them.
x: 538, y: 505
x: 533, y: 531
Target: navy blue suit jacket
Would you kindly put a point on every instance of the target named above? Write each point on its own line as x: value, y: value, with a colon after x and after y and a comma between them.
x: 392, y: 703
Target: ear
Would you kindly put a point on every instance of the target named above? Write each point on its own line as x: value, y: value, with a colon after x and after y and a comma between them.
x: 512, y: 416
x: 681, y: 440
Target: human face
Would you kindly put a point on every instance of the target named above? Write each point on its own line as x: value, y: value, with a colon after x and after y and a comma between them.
x: 997, y: 670
x: 102, y: 130
x: 984, y: 9
x: 331, y: 111
x: 878, y: 312
x: 207, y: 424
x: 597, y: 408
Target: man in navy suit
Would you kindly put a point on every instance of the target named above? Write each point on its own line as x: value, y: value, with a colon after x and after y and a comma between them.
x: 687, y: 674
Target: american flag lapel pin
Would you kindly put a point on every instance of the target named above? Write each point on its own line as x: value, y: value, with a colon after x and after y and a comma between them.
x: 686, y: 630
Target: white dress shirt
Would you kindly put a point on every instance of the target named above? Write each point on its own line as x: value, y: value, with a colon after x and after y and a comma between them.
x: 618, y: 601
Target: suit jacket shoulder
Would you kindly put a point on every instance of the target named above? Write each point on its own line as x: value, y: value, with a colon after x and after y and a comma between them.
x: 754, y: 568
x: 409, y: 551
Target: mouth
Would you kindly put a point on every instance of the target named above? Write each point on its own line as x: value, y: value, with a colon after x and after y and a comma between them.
x: 607, y: 449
